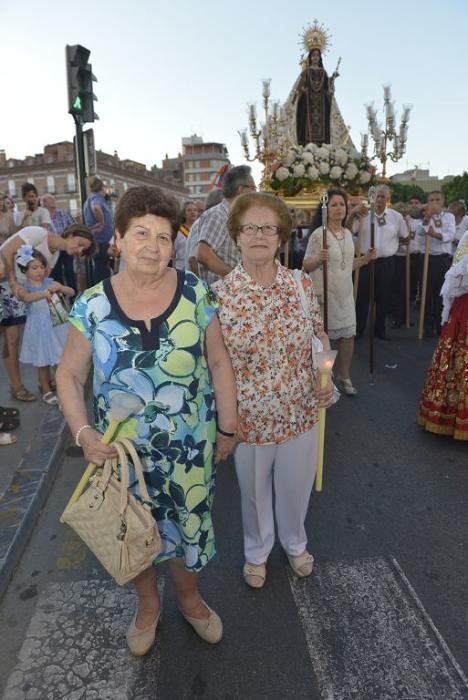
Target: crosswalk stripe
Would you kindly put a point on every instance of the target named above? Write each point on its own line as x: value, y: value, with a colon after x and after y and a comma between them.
x: 369, y: 636
x: 75, y: 647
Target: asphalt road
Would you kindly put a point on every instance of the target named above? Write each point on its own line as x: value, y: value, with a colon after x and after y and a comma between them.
x: 384, y: 616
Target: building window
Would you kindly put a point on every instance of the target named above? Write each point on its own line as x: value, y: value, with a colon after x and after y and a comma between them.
x: 71, y: 184
x: 50, y: 183
x: 125, y: 186
x: 73, y: 206
x: 12, y: 187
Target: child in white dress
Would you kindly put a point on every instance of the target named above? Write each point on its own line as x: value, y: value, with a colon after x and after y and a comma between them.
x: 43, y: 342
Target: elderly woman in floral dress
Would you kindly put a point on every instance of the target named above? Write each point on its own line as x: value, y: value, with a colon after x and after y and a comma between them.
x: 268, y: 336
x: 152, y: 334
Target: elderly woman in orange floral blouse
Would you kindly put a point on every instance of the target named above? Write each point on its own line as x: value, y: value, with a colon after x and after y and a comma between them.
x: 268, y: 336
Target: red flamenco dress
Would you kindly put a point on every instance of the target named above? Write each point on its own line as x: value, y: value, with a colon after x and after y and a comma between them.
x: 444, y: 403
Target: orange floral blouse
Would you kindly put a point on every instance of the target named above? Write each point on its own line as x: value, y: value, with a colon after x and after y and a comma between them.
x: 268, y: 338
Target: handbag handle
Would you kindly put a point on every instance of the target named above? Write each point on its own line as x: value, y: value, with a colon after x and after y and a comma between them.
x: 124, y: 445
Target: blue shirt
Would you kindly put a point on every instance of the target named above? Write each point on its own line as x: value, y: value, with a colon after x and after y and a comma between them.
x: 106, y: 234
x: 61, y: 220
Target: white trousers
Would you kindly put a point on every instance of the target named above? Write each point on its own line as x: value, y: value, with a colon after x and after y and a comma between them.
x: 289, y: 469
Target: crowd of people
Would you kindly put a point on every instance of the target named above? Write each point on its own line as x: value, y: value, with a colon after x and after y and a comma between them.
x: 205, y: 324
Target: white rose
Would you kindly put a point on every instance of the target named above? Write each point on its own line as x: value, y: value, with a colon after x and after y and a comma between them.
x: 324, y: 168
x: 364, y: 177
x: 299, y: 170
x: 282, y: 174
x: 307, y: 157
x: 336, y: 172
x: 351, y: 171
x: 312, y: 172
x: 323, y: 153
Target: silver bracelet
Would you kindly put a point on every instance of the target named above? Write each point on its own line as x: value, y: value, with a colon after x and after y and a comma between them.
x: 78, y: 433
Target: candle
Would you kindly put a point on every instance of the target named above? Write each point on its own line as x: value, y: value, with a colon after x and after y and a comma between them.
x: 386, y: 92
x: 275, y: 110
x: 364, y: 141
x: 252, y: 112
x: 266, y: 87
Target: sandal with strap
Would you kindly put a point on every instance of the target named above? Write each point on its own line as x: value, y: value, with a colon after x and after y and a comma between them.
x: 7, y: 412
x: 254, y: 574
x: 9, y: 424
x: 302, y: 565
x: 22, y: 394
x: 346, y: 387
x: 7, y: 439
x: 50, y: 398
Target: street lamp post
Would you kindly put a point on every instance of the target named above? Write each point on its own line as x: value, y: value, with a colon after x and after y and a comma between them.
x: 268, y: 137
x: 387, y: 141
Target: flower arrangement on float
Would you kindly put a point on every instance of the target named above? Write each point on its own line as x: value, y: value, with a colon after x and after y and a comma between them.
x: 312, y: 165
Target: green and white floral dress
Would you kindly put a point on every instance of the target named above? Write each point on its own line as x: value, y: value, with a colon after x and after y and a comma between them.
x: 165, y: 372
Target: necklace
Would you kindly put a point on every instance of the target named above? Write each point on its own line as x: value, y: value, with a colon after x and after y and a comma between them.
x: 341, y: 244
x: 438, y: 220
x: 381, y: 219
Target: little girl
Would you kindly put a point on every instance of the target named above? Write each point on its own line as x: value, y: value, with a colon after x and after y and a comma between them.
x: 43, y: 343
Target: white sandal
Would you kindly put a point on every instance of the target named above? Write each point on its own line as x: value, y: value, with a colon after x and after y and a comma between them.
x: 346, y: 387
x: 50, y: 398
x: 7, y: 439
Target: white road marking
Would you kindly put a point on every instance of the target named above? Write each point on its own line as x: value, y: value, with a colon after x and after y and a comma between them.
x: 371, y: 639
x: 75, y: 647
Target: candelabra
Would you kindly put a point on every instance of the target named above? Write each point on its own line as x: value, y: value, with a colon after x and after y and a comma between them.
x: 269, y: 137
x: 388, y: 143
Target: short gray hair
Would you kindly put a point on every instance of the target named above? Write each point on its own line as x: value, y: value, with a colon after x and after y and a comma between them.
x: 214, y: 197
x: 235, y: 178
x: 385, y: 188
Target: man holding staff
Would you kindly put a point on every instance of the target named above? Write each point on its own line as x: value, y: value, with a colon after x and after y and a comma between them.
x: 389, y: 228
x: 438, y: 230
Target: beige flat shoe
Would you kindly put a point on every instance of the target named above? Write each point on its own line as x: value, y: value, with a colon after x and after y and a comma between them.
x: 140, y: 641
x: 254, y: 574
x: 303, y: 565
x: 210, y: 629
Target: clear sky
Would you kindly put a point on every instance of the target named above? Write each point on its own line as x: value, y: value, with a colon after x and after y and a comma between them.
x: 169, y: 68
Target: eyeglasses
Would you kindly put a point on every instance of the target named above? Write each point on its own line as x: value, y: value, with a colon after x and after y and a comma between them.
x: 253, y: 229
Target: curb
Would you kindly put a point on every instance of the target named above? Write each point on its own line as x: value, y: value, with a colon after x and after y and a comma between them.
x: 23, y: 500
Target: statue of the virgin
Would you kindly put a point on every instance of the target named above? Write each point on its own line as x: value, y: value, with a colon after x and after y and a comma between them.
x: 312, y: 112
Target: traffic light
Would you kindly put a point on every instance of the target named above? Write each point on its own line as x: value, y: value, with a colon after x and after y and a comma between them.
x: 80, y: 80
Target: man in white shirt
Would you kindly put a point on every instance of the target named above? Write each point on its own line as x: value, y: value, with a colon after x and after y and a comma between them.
x: 33, y: 215
x: 437, y: 227
x: 214, y: 197
x: 458, y: 209
x: 390, y: 229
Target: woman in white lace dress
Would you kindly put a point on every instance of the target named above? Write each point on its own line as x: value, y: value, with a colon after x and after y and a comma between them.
x: 341, y: 262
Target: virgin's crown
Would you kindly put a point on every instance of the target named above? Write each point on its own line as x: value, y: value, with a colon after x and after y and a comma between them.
x: 315, y: 36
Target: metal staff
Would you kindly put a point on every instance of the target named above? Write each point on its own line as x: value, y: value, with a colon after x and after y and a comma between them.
x: 422, y: 309
x: 357, y: 254
x: 372, y: 192
x: 324, y: 202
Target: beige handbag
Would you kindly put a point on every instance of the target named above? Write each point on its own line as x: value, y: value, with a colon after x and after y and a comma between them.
x: 119, y: 529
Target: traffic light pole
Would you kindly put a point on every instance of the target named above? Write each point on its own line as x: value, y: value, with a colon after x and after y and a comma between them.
x: 80, y: 167
x: 80, y: 162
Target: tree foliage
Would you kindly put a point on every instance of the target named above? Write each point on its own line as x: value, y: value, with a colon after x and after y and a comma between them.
x: 401, y: 192
x: 456, y: 188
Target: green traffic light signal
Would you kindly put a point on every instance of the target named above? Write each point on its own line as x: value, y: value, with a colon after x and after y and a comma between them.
x: 80, y: 80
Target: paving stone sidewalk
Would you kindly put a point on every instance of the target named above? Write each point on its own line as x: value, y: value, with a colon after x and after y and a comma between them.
x: 27, y: 470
